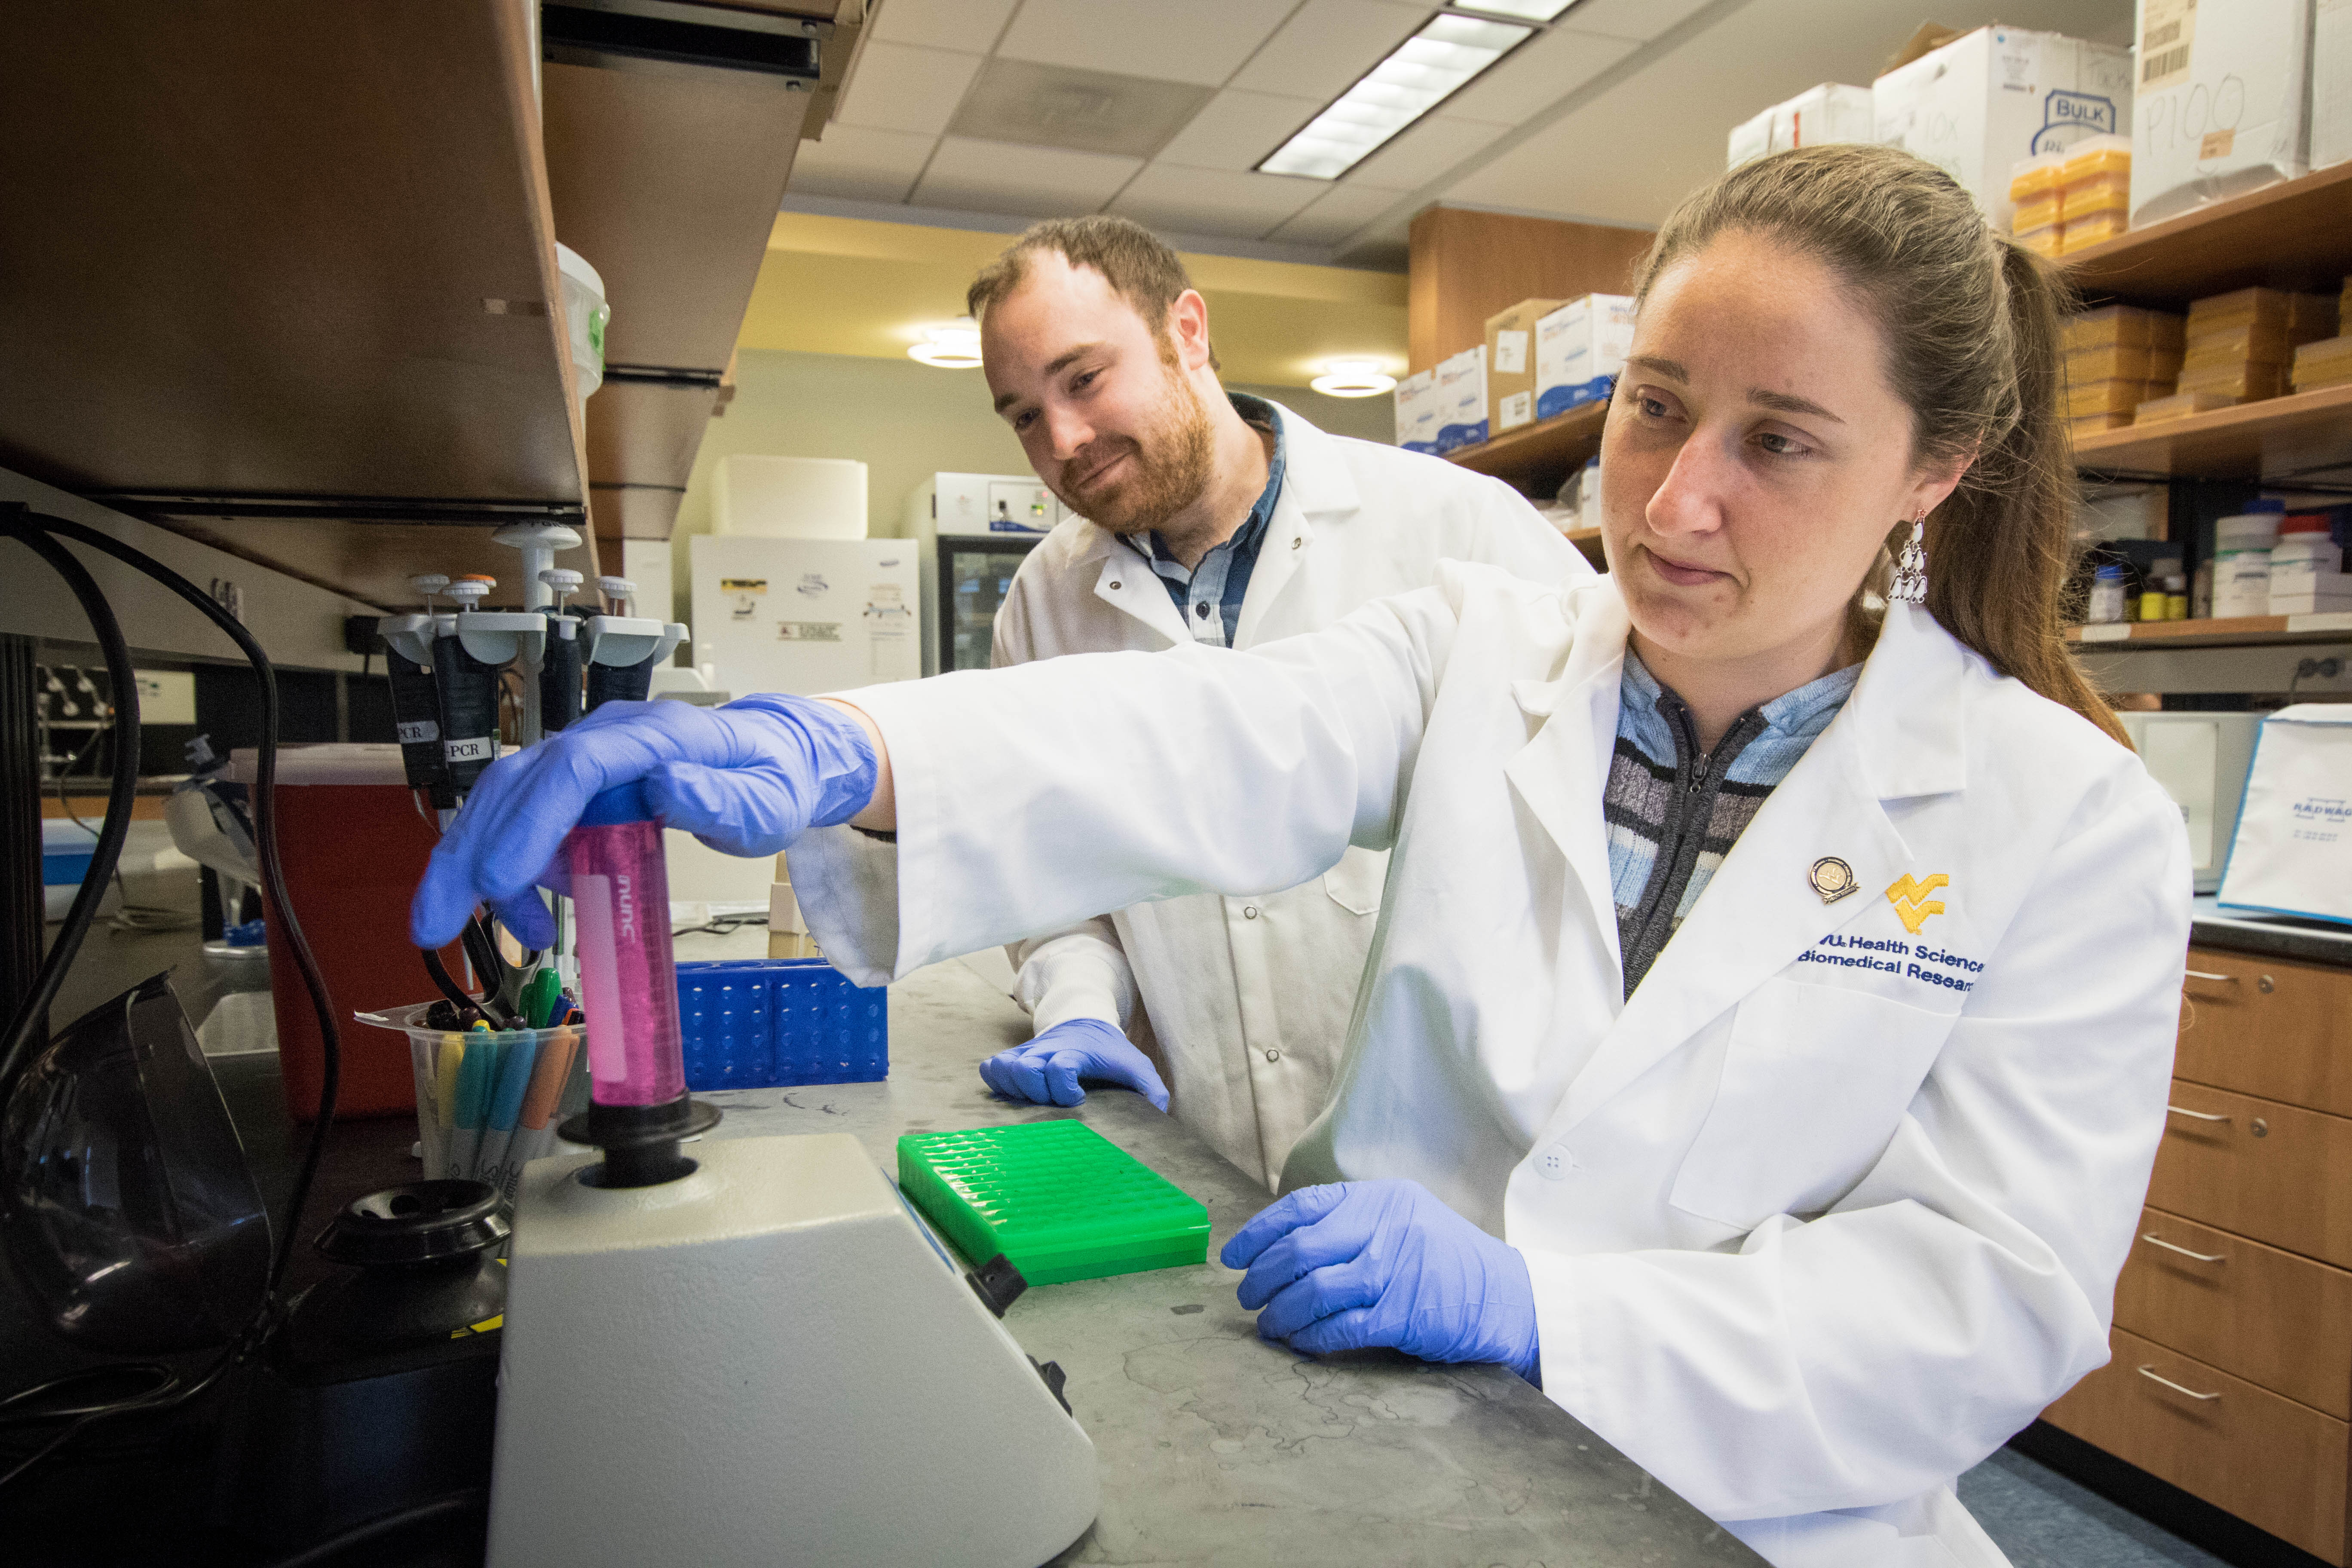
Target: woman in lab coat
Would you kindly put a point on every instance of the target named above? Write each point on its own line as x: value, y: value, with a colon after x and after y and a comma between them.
x: 1808, y: 1208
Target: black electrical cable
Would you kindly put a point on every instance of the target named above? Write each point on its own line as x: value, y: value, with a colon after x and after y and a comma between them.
x: 19, y: 523
x: 456, y: 1505
x: 26, y: 1023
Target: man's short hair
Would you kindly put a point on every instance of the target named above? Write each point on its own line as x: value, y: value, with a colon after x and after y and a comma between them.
x: 1137, y: 265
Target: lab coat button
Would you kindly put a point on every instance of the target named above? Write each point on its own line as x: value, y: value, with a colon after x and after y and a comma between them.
x: 1272, y: 1055
x: 1554, y: 1164
x: 1115, y: 587
x: 1249, y: 912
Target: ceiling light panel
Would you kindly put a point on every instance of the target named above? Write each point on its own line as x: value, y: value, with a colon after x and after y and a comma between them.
x: 1533, y: 10
x: 1420, y: 73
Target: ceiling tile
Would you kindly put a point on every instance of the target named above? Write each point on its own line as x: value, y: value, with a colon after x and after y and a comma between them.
x: 1200, y: 41
x: 1424, y: 151
x: 1627, y: 18
x: 1536, y: 75
x: 1028, y: 182
x: 1326, y: 45
x: 1084, y: 111
x: 1237, y: 129
x: 861, y: 163
x: 1213, y: 201
x: 972, y: 26
x: 899, y: 87
x: 1335, y: 214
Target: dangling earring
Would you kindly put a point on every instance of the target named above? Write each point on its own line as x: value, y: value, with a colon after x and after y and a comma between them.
x: 1910, y: 584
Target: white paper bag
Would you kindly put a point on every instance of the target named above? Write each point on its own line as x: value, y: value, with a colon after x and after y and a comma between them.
x: 2292, y: 852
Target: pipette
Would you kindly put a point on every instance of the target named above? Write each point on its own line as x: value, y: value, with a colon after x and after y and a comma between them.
x: 468, y: 689
x: 415, y: 704
x: 558, y: 674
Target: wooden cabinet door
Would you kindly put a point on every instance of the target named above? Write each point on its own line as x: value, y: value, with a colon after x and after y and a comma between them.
x: 2277, y: 1465
x: 2278, y: 1321
x: 2275, y: 1173
x: 2267, y: 1027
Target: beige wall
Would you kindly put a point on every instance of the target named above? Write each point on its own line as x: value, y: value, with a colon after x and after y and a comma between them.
x: 905, y: 422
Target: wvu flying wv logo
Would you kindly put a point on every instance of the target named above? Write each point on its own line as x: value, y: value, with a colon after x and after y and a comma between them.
x: 1911, y: 901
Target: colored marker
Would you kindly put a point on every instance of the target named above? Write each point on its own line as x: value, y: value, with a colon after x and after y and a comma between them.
x: 516, y: 1059
x: 539, y: 997
x: 447, y: 1067
x: 534, y: 1126
x: 476, y: 1077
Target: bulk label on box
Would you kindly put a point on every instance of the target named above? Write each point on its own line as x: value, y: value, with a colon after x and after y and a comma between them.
x: 1988, y: 99
x: 1416, y: 411
x: 2222, y: 98
x: 1580, y: 349
x: 1461, y: 397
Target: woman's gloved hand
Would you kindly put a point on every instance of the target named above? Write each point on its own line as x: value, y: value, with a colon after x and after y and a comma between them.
x: 1047, y: 1070
x: 1385, y: 1263
x: 747, y: 778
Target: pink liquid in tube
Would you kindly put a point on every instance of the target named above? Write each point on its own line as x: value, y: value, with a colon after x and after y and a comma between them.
x: 628, y: 978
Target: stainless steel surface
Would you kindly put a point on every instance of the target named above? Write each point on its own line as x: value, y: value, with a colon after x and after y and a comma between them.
x: 1215, y: 1445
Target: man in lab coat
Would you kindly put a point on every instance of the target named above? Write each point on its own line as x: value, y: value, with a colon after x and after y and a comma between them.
x: 1213, y: 518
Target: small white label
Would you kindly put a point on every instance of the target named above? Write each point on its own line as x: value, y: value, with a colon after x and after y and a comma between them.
x: 418, y: 731
x: 480, y: 749
x: 1517, y: 409
x: 2113, y: 631
x: 1510, y: 353
x: 808, y: 631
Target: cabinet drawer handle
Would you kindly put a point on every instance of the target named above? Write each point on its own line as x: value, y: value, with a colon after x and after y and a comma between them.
x: 2194, y: 1115
x: 2155, y: 1240
x: 2206, y: 974
x: 2149, y: 1373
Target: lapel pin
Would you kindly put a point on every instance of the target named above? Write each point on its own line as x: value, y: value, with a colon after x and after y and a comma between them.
x: 1833, y: 878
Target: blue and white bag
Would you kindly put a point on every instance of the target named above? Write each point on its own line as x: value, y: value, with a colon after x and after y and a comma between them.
x: 2293, y: 851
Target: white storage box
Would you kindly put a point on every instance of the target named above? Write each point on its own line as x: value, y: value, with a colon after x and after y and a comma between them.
x: 1990, y: 98
x: 1416, y: 411
x: 1461, y: 399
x: 2331, y: 82
x: 1750, y: 140
x: 761, y: 497
x: 2221, y: 100
x: 2293, y: 851
x: 1833, y: 111
x: 1580, y: 350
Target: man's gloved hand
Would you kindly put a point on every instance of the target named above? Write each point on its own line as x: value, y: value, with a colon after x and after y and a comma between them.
x: 1047, y: 1070
x: 747, y: 778
x: 1385, y: 1263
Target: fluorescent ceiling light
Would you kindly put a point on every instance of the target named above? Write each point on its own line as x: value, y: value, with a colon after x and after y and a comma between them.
x: 1420, y: 73
x: 1352, y: 378
x: 955, y: 346
x: 1533, y: 10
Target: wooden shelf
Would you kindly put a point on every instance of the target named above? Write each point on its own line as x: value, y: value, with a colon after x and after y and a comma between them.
x: 2307, y: 435
x: 1538, y: 457
x: 310, y: 260
x: 2244, y: 631
x: 2296, y: 233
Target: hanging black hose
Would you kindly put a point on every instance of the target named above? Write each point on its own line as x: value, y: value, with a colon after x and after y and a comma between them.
x: 29, y: 1023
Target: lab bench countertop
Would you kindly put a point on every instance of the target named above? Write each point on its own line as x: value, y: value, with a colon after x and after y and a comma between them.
x: 1215, y: 1445
x: 2271, y: 936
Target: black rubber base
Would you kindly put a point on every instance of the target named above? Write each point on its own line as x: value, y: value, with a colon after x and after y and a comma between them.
x: 640, y: 1141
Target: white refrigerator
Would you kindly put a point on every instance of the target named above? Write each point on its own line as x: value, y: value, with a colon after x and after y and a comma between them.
x: 806, y: 616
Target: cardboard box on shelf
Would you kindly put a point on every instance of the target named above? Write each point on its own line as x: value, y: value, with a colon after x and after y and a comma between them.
x: 2250, y: 380
x: 1461, y: 399
x: 1750, y: 139
x: 1580, y: 349
x: 1416, y: 411
x: 2087, y: 398
x: 2304, y: 318
x: 1511, y: 364
x: 1832, y: 111
x: 2222, y: 100
x: 2180, y: 405
x: 1984, y: 100
x: 2327, y: 362
x: 2126, y: 326
x: 2119, y: 363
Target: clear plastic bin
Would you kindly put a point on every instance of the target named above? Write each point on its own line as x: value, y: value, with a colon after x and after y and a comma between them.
x: 489, y: 1100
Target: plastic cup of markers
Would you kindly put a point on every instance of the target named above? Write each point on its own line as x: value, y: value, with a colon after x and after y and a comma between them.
x: 489, y: 1100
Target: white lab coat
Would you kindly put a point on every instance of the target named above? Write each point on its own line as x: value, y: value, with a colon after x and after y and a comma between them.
x: 1811, y: 1233
x: 1247, y: 999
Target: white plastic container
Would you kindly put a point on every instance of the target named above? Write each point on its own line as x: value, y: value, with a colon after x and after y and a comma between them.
x: 1461, y: 399
x: 2223, y: 101
x: 2242, y: 584
x: 1416, y: 411
x: 585, y: 316
x: 1580, y: 349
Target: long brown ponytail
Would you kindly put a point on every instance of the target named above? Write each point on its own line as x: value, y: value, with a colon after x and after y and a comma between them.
x: 1971, y: 326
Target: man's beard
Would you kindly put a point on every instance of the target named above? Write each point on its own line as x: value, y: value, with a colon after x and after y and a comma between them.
x: 1167, y: 469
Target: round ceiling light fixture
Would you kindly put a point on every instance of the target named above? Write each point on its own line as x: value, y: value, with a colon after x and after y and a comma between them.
x: 955, y: 346
x: 1353, y: 378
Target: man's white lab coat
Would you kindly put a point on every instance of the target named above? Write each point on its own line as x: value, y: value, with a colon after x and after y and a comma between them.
x: 1835, y: 1202
x: 1248, y: 999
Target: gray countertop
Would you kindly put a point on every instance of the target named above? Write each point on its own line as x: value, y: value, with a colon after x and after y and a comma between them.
x: 2313, y: 942
x: 1216, y: 1447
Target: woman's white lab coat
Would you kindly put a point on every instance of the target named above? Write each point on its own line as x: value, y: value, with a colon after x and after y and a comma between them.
x: 1248, y: 999
x: 1826, y: 1211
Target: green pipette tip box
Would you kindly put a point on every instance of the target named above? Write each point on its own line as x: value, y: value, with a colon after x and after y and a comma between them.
x: 1058, y: 1198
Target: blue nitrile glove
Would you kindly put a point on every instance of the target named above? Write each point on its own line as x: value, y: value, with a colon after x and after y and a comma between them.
x: 1047, y: 1070
x: 1385, y: 1263
x: 747, y: 779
